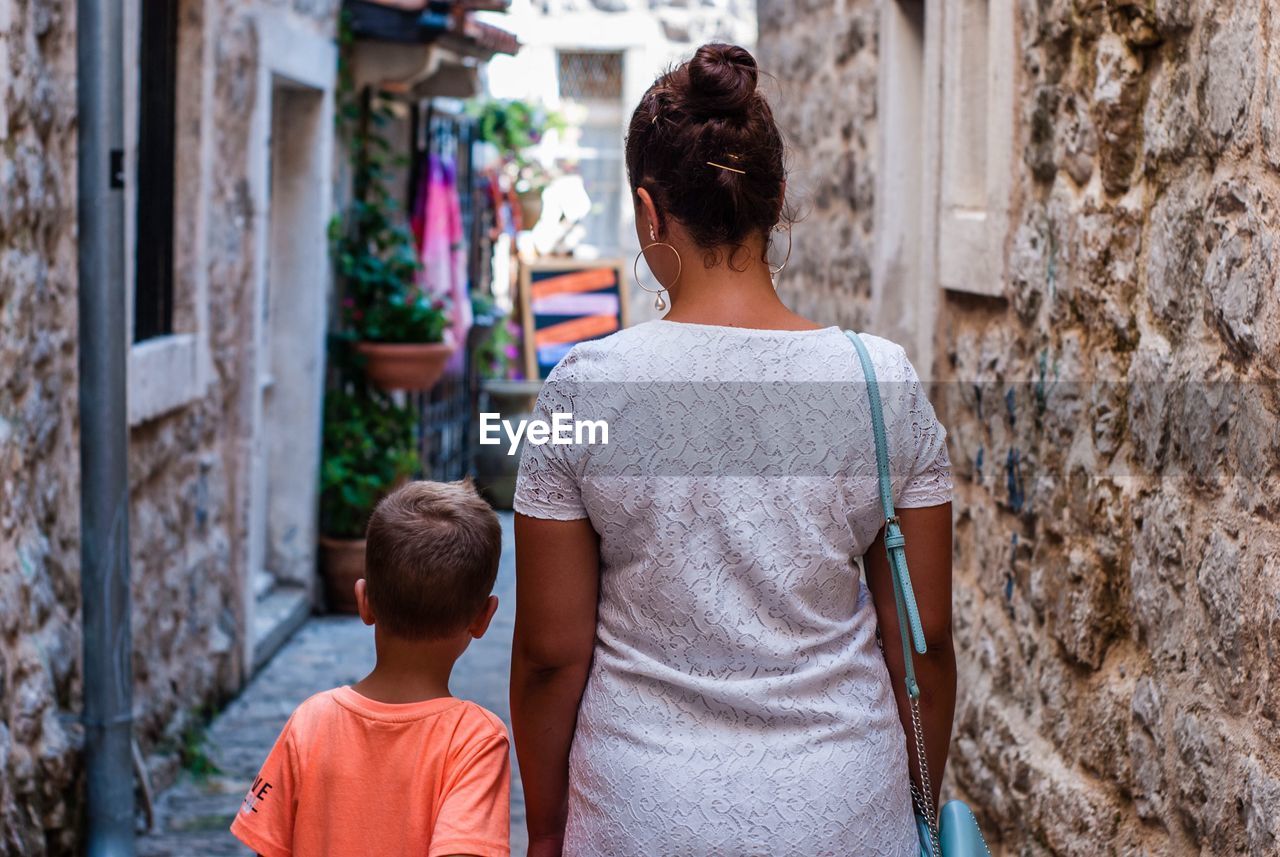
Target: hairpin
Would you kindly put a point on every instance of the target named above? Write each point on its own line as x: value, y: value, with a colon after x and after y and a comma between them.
x: 723, y: 167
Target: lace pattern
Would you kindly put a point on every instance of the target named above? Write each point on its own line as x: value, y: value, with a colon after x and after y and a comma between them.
x: 738, y: 703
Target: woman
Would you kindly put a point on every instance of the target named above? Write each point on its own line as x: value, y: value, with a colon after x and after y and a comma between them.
x: 696, y: 669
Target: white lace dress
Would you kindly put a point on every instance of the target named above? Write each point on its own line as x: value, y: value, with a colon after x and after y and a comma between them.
x: 738, y: 702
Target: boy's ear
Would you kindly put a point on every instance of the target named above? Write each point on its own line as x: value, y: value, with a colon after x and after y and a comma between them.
x: 481, y: 623
x: 362, y: 602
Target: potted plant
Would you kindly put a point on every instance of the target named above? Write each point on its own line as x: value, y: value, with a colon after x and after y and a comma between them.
x: 402, y: 341
x: 529, y: 181
x: 368, y: 450
x: 514, y: 127
x: 399, y: 331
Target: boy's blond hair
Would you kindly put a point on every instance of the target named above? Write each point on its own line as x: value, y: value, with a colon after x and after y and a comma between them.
x: 431, y: 558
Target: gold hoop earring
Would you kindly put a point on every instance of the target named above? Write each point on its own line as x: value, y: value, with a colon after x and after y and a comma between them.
x: 773, y: 272
x: 658, y: 304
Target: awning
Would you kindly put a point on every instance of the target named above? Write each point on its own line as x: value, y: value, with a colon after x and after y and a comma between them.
x: 419, y: 22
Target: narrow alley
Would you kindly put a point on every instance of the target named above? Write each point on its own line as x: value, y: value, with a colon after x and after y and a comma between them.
x: 192, y: 818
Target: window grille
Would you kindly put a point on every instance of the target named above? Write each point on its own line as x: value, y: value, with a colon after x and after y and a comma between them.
x: 591, y: 75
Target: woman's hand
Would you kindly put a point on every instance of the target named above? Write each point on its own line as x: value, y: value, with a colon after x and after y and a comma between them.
x: 557, y: 585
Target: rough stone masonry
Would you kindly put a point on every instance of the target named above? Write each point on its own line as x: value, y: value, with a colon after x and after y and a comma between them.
x: 1114, y: 416
x: 39, y: 476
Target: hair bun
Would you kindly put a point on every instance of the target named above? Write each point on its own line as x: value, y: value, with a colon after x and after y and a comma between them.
x: 722, y: 80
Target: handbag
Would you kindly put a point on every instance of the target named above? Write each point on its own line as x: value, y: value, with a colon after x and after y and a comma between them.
x: 953, y: 832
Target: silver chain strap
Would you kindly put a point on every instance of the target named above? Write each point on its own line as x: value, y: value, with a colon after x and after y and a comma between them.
x: 923, y: 796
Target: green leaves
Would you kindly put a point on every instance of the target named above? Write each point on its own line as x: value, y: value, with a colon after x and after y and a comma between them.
x: 405, y: 319
x: 513, y: 125
x: 370, y: 441
x: 369, y: 447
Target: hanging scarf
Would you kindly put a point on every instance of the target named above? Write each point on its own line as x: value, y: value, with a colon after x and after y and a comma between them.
x: 443, y: 274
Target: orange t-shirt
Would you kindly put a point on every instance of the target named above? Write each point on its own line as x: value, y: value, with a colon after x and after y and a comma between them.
x: 350, y: 776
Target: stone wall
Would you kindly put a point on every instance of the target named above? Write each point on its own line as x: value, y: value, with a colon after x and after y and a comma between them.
x: 187, y: 467
x: 1114, y: 418
x: 819, y: 61
x: 39, y: 447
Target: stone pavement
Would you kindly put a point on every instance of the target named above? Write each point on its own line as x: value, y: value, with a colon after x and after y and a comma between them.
x: 193, y: 817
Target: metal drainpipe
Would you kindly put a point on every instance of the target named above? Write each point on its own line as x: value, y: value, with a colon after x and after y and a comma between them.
x: 104, y: 433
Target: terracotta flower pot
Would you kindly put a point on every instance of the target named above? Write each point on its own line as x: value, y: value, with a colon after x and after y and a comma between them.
x: 405, y: 366
x: 341, y: 564
x: 530, y: 208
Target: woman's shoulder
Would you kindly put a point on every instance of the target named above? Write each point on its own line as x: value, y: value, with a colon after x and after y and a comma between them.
x: 889, y: 359
x: 603, y: 359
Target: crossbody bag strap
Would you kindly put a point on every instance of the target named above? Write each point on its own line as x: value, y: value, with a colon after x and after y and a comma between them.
x: 895, y: 543
x: 903, y: 595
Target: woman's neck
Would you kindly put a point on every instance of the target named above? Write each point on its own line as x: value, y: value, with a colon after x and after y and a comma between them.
x: 721, y: 295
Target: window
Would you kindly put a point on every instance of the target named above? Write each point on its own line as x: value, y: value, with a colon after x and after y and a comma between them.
x: 157, y: 78
x: 593, y: 81
x: 946, y: 107
x: 976, y: 145
x: 168, y: 114
x: 903, y: 295
x: 590, y: 75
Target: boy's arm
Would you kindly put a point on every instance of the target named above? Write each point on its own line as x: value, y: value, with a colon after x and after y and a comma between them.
x: 474, y: 818
x: 264, y: 821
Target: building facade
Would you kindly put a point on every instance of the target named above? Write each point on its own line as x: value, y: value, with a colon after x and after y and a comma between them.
x: 228, y: 187
x: 591, y: 61
x: 1066, y: 213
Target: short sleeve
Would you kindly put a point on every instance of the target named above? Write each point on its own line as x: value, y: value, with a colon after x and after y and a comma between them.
x: 918, y: 441
x: 547, y: 485
x: 264, y: 821
x: 475, y: 805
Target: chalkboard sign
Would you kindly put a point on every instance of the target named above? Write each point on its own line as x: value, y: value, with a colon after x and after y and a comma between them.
x: 567, y: 301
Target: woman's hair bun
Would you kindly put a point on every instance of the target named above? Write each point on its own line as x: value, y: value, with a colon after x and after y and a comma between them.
x: 722, y: 81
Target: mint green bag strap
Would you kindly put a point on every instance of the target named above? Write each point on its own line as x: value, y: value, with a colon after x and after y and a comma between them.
x: 894, y: 542
x: 954, y: 832
x: 908, y: 614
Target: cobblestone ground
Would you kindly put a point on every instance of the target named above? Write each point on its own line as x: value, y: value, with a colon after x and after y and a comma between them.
x: 192, y: 817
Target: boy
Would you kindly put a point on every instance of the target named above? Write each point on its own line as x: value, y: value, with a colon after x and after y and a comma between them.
x: 394, y: 765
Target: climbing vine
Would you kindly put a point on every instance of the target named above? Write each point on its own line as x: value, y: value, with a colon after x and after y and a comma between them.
x: 369, y: 442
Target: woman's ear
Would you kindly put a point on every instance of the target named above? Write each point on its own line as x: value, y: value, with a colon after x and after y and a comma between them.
x: 650, y: 212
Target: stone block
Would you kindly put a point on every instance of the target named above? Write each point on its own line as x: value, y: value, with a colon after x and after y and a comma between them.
x: 1158, y: 572
x: 1147, y: 742
x: 1258, y: 808
x: 1206, y: 784
x: 1218, y: 583
x: 1240, y: 269
x: 1175, y: 254
x: 1082, y: 611
x: 1117, y: 100
x: 1230, y: 65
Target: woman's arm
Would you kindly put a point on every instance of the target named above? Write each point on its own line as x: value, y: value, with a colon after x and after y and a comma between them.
x: 928, y: 535
x: 557, y: 584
